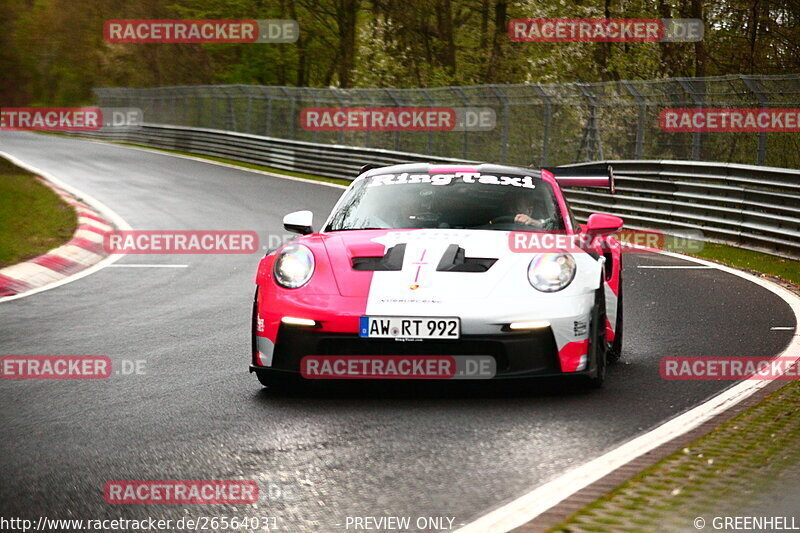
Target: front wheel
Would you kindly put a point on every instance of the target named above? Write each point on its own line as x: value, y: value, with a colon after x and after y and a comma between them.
x: 598, y: 352
x: 615, y: 350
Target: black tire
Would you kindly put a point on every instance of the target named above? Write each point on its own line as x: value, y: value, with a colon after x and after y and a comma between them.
x: 275, y: 383
x: 598, y: 348
x: 615, y: 350
x: 253, y: 325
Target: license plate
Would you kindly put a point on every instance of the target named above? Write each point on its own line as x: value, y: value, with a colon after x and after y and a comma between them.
x: 409, y: 327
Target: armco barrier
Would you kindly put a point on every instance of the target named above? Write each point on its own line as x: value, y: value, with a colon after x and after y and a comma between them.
x: 332, y: 161
x: 748, y: 206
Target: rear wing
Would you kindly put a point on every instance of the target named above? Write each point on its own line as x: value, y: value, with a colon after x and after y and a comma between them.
x: 584, y: 177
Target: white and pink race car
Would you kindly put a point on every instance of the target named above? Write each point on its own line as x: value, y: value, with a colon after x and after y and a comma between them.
x: 420, y: 260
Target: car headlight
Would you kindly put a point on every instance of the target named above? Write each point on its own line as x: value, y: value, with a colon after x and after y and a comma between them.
x: 294, y: 266
x: 551, y: 272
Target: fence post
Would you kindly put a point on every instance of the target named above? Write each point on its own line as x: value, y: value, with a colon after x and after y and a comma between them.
x: 230, y: 113
x: 249, y: 109
x: 641, y: 118
x: 202, y: 97
x: 763, y: 103
x: 465, y: 101
x: 176, y: 108
x: 504, y: 137
x: 315, y: 134
x: 292, y: 109
x: 370, y: 101
x: 340, y: 134
x: 548, y: 117
x: 698, y: 103
x: 396, y: 133
x: 591, y: 133
x: 186, y: 108
x: 268, y: 121
x: 156, y: 102
x: 430, y: 132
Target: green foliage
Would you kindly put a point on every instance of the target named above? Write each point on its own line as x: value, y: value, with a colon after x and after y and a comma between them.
x: 52, y: 51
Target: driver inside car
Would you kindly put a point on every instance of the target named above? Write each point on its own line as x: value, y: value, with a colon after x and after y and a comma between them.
x: 524, y: 208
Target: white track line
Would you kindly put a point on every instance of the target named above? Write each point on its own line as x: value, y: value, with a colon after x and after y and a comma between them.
x: 782, y: 328
x: 688, y: 267
x: 140, y: 265
x: 544, y: 497
x: 106, y: 211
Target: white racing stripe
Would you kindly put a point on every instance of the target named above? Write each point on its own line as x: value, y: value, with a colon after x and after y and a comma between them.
x: 544, y: 497
x: 106, y: 211
x: 502, y: 292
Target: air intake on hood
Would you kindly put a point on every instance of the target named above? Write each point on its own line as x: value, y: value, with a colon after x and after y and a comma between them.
x: 392, y: 260
x: 455, y: 260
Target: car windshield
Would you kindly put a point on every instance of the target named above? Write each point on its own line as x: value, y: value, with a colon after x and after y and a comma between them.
x: 456, y: 200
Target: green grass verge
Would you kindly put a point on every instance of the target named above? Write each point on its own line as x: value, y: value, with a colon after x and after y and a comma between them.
x: 740, y: 464
x: 33, y: 219
x: 786, y: 269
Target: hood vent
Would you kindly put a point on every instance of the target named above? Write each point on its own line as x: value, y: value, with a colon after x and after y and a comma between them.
x: 392, y: 260
x: 454, y: 260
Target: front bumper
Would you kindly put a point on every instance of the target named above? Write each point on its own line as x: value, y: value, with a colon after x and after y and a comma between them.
x: 523, y: 354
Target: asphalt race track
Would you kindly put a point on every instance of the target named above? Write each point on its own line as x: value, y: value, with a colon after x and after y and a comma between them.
x: 198, y: 414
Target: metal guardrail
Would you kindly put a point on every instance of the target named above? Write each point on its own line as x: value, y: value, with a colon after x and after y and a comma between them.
x: 748, y: 206
x: 329, y: 160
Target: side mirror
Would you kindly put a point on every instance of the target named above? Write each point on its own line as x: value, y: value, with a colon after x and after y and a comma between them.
x: 602, y: 224
x: 299, y: 222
